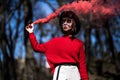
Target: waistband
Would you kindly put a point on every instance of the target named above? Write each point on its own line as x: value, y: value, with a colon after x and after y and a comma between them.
x: 66, y: 64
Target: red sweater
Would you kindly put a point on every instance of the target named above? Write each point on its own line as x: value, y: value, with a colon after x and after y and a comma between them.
x: 62, y: 50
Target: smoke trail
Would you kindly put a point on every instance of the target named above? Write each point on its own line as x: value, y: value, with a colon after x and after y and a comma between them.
x: 103, y: 8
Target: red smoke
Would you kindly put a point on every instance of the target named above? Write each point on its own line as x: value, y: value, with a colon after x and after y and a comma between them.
x: 97, y: 7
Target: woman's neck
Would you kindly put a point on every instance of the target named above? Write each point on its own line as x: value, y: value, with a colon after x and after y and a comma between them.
x: 68, y: 35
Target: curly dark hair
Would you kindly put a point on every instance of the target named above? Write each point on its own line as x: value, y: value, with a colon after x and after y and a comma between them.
x: 72, y: 15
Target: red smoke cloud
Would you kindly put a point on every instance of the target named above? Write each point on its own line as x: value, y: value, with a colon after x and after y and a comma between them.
x: 97, y: 7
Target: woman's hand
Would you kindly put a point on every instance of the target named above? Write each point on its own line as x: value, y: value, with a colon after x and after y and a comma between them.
x: 30, y: 28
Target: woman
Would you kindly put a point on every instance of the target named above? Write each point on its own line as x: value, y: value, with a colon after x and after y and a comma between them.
x: 64, y: 54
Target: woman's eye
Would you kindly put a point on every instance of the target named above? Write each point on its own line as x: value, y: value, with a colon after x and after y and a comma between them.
x: 66, y: 20
x: 69, y: 20
x: 63, y: 20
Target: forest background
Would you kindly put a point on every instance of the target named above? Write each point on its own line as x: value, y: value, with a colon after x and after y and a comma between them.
x: 18, y: 61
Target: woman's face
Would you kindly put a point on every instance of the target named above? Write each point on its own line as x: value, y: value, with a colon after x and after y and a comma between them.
x: 67, y: 24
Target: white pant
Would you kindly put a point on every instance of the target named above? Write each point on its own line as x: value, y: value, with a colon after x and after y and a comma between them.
x: 67, y: 72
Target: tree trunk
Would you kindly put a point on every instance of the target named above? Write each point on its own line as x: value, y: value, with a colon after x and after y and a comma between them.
x: 111, y: 45
x: 88, y: 43
x: 30, y: 63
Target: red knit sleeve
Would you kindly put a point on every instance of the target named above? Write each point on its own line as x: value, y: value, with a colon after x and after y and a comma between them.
x: 82, y: 63
x: 35, y: 45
